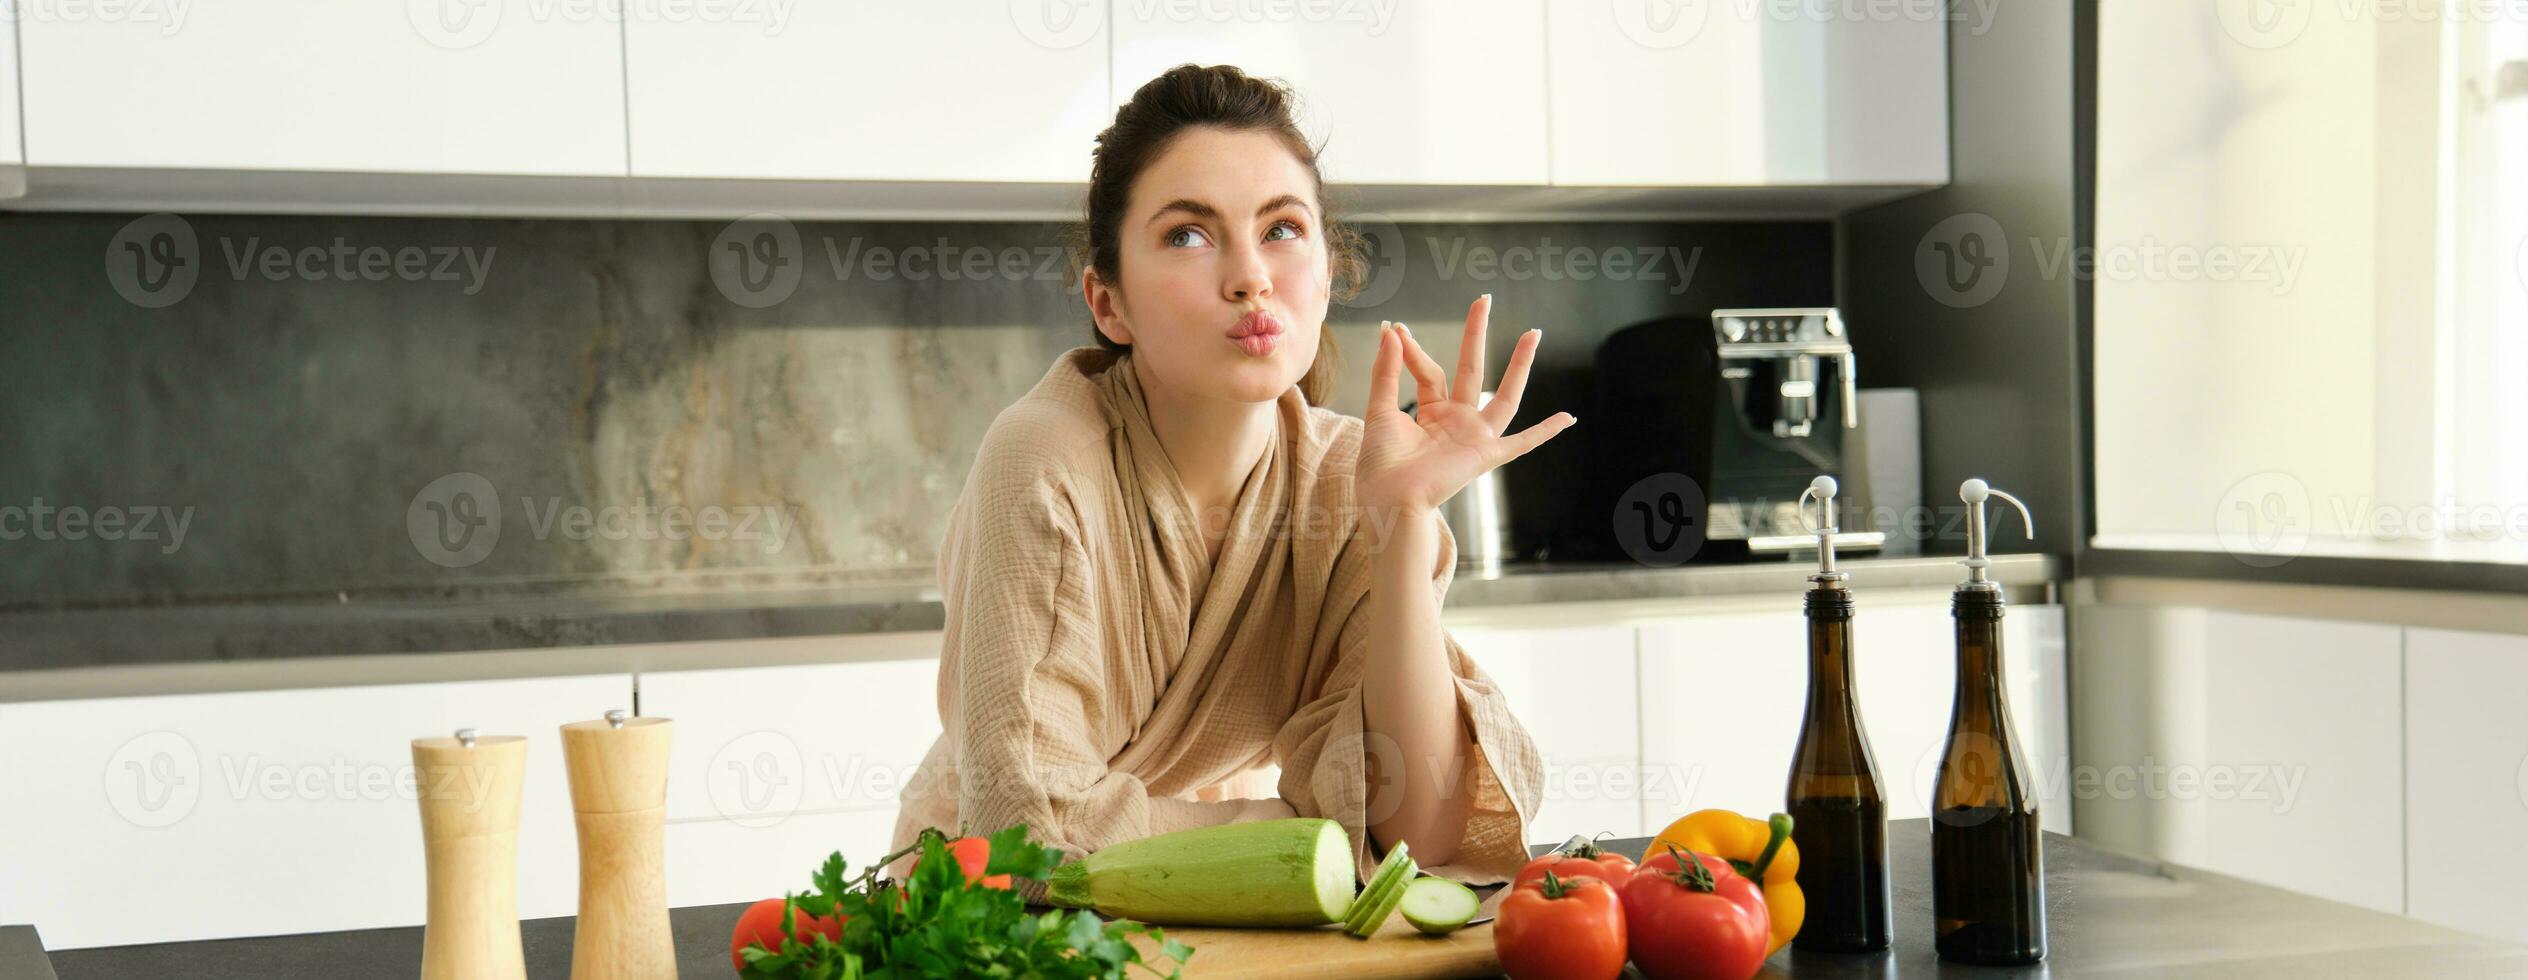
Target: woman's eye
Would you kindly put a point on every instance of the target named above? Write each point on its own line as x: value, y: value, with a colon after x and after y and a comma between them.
x: 1180, y: 237
x: 1293, y: 229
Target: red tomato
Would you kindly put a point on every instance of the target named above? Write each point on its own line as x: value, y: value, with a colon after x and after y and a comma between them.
x: 1589, y: 862
x: 974, y: 854
x: 1560, y: 929
x: 761, y: 923
x: 1708, y: 923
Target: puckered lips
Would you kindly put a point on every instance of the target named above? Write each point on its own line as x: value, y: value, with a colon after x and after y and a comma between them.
x: 1257, y: 333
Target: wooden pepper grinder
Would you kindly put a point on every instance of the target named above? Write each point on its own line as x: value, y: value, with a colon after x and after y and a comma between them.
x: 618, y: 771
x: 468, y: 788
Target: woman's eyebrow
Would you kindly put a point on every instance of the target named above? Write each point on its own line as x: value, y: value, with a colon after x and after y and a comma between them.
x: 1200, y: 210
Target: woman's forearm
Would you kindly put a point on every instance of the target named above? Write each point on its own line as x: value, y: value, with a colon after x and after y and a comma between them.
x: 1409, y: 697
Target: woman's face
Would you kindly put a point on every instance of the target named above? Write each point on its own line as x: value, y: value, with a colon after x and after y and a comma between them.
x: 1225, y: 273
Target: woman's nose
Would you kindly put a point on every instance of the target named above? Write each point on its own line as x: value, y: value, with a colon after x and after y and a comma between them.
x: 1247, y: 276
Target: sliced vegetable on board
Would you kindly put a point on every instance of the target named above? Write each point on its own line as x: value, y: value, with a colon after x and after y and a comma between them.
x: 1386, y: 888
x: 1438, y: 906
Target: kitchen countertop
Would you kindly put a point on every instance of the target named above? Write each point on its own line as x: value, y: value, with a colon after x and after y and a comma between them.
x: 908, y: 600
x: 2106, y: 914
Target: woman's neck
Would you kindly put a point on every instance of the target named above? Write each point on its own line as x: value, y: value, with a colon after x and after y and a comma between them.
x: 1214, y: 443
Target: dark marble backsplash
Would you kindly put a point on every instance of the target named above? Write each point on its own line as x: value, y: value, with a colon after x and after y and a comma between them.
x: 219, y: 407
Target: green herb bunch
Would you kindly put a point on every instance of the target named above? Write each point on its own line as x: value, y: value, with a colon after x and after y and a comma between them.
x: 941, y: 924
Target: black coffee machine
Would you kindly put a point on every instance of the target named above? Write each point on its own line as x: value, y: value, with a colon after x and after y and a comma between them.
x: 1724, y: 421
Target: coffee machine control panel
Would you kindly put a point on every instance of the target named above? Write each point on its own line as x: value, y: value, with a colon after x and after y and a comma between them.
x: 1777, y: 329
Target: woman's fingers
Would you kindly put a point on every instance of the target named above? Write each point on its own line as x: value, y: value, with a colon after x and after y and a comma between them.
x: 1505, y: 399
x: 1535, y: 435
x: 1469, y: 385
x: 1383, y: 370
x: 1430, y: 384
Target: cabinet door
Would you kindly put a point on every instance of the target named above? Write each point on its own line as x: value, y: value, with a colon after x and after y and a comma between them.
x: 2466, y: 781
x: 950, y: 90
x: 1401, y: 93
x: 1572, y: 687
x: 1663, y: 92
x: 263, y: 813
x: 1722, y: 698
x: 1734, y: 749
x: 12, y: 137
x: 431, y: 86
x: 776, y: 767
x: 2302, y: 756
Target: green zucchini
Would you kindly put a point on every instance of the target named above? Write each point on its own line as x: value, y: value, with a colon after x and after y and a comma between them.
x: 1295, y: 871
x: 1438, y: 905
x: 1377, y: 902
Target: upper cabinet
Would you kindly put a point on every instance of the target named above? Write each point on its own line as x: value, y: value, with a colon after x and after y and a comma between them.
x: 1401, y: 92
x: 1694, y: 93
x: 959, y: 109
x: 426, y: 86
x: 12, y: 148
x: 947, y: 90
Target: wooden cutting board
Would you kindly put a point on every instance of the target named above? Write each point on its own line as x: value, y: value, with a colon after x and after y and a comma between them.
x: 1325, y: 953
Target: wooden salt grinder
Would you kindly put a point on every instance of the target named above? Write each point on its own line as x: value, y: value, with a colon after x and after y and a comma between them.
x: 618, y: 771
x: 468, y: 788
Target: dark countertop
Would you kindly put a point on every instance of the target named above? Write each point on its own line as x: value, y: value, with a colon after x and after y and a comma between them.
x: 907, y: 600
x: 2106, y: 914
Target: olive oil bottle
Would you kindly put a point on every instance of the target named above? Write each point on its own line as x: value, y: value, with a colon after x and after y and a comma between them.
x: 1987, y: 868
x: 1838, y: 817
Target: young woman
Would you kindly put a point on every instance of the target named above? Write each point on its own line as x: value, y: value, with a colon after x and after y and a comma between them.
x: 1172, y: 571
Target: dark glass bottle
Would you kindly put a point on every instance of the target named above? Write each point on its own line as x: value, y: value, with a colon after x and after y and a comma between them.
x: 1838, y: 817
x: 1987, y: 862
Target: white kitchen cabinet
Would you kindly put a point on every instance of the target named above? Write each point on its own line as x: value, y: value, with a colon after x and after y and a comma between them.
x: 153, y: 819
x: 1656, y: 92
x: 718, y: 862
x: 1404, y: 93
x: 2466, y: 781
x: 1734, y: 690
x: 2302, y: 782
x: 431, y: 86
x: 1572, y: 689
x: 981, y: 90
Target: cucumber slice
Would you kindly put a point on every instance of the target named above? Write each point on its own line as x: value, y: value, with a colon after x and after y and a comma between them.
x: 1392, y: 876
x: 1438, y: 906
x: 1383, y: 904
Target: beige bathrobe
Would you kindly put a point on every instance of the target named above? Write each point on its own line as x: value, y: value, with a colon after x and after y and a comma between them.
x: 1100, y: 684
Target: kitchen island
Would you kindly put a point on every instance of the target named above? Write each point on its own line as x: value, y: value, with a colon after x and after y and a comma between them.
x: 2107, y: 914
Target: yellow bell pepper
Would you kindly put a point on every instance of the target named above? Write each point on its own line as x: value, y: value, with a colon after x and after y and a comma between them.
x: 1760, y: 850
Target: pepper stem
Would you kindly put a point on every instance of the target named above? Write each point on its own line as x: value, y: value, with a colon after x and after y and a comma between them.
x: 1780, y: 825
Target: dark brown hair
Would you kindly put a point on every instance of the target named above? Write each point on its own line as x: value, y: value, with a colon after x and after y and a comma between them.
x: 1184, y: 97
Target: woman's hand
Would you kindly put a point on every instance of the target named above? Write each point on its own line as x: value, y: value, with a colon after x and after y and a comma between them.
x: 1415, y: 462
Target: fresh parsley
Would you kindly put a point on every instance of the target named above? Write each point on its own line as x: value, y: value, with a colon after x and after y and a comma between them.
x: 940, y: 924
